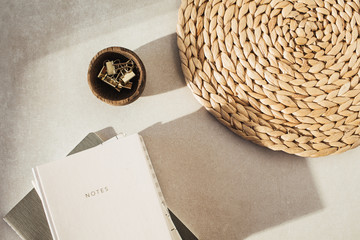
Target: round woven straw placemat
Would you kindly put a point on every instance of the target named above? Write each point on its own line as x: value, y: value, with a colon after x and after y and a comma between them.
x: 283, y: 74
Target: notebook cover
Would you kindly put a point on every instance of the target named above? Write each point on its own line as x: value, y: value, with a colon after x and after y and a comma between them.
x: 106, y: 192
x: 28, y: 218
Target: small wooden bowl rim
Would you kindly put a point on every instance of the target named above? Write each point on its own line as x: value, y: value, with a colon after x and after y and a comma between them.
x: 142, y: 78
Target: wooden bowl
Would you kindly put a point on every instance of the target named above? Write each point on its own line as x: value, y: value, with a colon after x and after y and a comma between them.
x: 107, y: 93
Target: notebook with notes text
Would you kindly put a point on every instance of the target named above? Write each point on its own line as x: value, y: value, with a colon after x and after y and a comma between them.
x: 107, y: 192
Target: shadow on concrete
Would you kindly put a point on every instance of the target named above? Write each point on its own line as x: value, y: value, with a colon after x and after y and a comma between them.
x: 162, y: 64
x: 29, y: 26
x: 222, y: 186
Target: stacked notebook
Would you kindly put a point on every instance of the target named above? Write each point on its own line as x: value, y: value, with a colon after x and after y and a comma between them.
x: 109, y: 191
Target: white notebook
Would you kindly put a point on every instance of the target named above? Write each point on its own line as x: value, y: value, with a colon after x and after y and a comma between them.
x: 107, y: 192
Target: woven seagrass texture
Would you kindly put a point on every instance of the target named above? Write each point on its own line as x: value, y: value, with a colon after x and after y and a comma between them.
x: 282, y: 74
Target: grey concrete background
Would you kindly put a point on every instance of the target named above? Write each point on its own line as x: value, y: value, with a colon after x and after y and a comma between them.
x: 219, y: 185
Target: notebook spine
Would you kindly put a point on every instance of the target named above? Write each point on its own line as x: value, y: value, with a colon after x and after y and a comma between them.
x: 173, y: 231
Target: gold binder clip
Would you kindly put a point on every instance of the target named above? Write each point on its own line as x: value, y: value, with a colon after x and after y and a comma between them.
x: 110, y: 68
x: 111, y: 82
x: 102, y: 72
x: 127, y: 85
x: 117, y: 74
x: 128, y: 76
